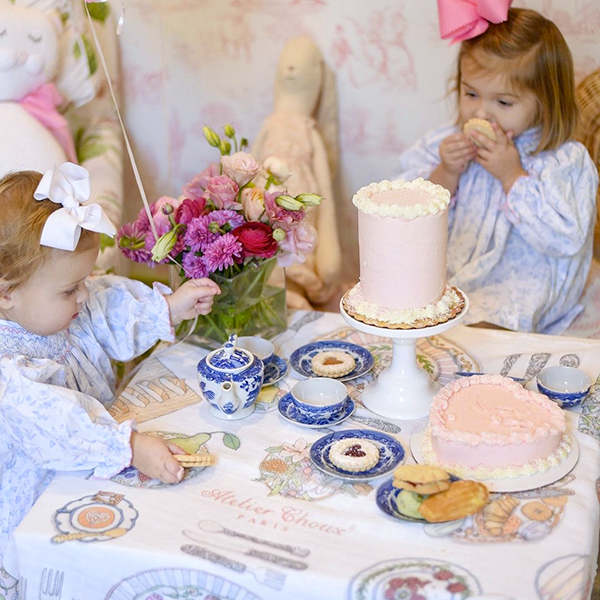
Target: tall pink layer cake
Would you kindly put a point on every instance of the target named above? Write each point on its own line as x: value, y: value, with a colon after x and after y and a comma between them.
x: 489, y: 426
x: 402, y: 237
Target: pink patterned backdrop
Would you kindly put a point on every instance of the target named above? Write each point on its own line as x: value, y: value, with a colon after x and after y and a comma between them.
x: 189, y: 63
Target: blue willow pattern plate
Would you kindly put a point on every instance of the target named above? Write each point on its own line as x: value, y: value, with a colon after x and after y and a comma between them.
x: 391, y: 454
x: 287, y: 409
x: 386, y: 501
x: 275, y: 370
x: 301, y: 358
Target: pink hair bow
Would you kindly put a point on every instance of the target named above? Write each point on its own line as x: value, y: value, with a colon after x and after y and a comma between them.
x: 69, y: 185
x: 465, y: 19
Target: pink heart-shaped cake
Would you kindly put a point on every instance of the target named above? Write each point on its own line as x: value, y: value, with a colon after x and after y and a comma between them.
x: 489, y: 426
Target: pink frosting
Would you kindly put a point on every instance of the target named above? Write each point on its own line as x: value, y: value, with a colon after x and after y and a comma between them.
x: 493, y: 409
x: 402, y: 262
x: 491, y: 421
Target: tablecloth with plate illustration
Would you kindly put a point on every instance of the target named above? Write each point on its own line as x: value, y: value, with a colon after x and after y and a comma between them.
x: 265, y: 524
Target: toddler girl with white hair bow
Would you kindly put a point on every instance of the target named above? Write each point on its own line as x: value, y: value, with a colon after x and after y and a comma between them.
x: 58, y: 333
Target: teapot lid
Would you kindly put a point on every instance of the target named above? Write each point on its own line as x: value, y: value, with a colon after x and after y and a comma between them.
x: 229, y: 358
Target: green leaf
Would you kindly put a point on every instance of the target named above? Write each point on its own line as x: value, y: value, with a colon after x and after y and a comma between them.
x: 106, y: 241
x: 77, y: 50
x: 91, y: 55
x: 99, y: 11
x: 231, y: 441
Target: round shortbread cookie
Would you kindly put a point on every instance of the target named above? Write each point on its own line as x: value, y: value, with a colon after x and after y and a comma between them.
x: 354, y: 454
x: 332, y: 363
x: 482, y: 126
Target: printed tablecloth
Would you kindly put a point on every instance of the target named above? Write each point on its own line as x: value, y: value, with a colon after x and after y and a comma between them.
x: 264, y: 523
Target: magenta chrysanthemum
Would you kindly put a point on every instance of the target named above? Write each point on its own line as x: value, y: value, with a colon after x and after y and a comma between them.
x: 198, y: 236
x: 194, y: 266
x: 223, y: 253
x: 129, y: 236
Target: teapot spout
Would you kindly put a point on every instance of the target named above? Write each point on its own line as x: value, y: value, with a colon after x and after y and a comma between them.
x: 228, y: 401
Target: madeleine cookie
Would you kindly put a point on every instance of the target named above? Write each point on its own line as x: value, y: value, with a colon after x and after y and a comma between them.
x: 332, y: 363
x: 482, y: 126
x: 354, y: 454
x: 421, y: 479
x: 461, y: 499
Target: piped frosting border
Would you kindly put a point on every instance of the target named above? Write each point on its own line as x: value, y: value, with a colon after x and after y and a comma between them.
x: 439, y: 199
x: 447, y: 307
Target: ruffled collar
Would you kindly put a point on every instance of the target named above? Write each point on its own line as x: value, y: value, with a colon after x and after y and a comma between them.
x: 16, y: 341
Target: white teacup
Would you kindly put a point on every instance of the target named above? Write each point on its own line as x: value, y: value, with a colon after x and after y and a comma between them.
x: 260, y: 347
x: 319, y: 397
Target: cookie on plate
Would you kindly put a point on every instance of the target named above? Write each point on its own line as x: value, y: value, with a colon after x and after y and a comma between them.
x: 354, y: 454
x: 332, y: 363
x: 422, y: 479
x: 482, y: 126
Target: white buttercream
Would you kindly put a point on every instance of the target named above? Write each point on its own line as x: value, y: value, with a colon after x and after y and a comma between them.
x: 409, y: 317
x: 436, y: 198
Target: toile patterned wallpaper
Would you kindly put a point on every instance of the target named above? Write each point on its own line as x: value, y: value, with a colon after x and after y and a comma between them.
x: 188, y: 63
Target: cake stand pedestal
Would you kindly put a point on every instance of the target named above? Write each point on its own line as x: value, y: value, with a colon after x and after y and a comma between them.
x: 403, y: 390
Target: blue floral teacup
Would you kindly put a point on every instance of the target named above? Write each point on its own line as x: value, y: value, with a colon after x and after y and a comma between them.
x: 567, y: 386
x: 319, y: 398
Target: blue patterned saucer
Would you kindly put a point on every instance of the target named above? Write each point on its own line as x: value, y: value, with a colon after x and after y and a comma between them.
x: 287, y: 409
x: 301, y: 358
x: 391, y: 454
x: 275, y: 370
x: 386, y: 501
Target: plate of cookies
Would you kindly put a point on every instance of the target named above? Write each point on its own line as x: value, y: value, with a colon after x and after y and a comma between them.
x: 357, y: 454
x: 426, y: 494
x: 332, y: 358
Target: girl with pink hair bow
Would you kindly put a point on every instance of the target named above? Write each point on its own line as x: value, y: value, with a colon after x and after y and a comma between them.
x: 522, y: 218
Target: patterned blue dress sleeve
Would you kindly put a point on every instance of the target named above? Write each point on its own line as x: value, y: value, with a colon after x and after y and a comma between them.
x: 55, y: 427
x: 554, y: 208
x: 124, y: 317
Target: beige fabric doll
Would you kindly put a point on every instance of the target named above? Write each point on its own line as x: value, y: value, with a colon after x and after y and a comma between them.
x: 303, y: 131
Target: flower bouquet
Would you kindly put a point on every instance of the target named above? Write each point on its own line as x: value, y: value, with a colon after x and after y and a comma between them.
x: 233, y: 223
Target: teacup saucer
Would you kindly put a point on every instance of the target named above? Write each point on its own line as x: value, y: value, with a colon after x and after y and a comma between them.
x: 275, y: 370
x: 287, y: 409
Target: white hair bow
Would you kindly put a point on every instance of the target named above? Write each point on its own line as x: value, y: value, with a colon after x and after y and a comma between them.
x: 69, y: 185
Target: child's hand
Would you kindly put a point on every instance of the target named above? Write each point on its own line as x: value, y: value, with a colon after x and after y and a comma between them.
x: 500, y: 158
x: 194, y: 297
x: 456, y: 152
x: 153, y: 457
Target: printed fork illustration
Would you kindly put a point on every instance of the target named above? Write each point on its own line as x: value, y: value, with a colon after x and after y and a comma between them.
x: 51, y: 584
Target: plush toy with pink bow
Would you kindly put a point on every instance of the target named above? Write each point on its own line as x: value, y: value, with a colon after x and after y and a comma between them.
x: 43, y: 69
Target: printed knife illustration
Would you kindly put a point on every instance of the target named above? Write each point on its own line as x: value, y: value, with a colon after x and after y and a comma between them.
x: 247, y: 551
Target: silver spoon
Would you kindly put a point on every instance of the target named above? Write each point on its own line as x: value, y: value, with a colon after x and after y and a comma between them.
x: 214, y: 527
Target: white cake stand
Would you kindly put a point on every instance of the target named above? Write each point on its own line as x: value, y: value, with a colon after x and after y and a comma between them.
x: 403, y: 390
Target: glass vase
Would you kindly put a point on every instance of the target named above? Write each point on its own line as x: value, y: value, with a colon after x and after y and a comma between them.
x: 252, y: 302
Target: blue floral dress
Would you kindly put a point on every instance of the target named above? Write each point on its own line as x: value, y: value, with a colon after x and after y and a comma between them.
x: 54, y: 391
x: 523, y: 257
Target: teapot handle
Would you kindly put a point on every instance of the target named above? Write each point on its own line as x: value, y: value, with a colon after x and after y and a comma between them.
x: 230, y: 344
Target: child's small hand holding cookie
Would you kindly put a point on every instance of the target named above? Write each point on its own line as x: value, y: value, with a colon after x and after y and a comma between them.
x: 154, y: 458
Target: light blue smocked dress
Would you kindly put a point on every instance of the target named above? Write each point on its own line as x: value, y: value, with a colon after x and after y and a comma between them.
x: 54, y: 391
x: 523, y: 257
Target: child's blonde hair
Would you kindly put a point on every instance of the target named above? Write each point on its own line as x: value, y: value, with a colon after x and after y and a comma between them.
x: 534, y: 55
x: 22, y: 219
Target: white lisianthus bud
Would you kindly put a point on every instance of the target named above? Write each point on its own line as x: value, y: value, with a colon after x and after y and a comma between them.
x: 309, y: 199
x: 277, y: 168
x: 278, y: 234
x: 211, y: 137
x: 164, y: 245
x: 288, y: 203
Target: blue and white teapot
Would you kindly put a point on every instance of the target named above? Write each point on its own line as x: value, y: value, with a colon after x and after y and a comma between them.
x: 230, y: 379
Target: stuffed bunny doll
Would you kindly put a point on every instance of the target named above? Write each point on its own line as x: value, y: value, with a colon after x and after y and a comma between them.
x: 49, y: 92
x: 34, y: 135
x: 303, y: 131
